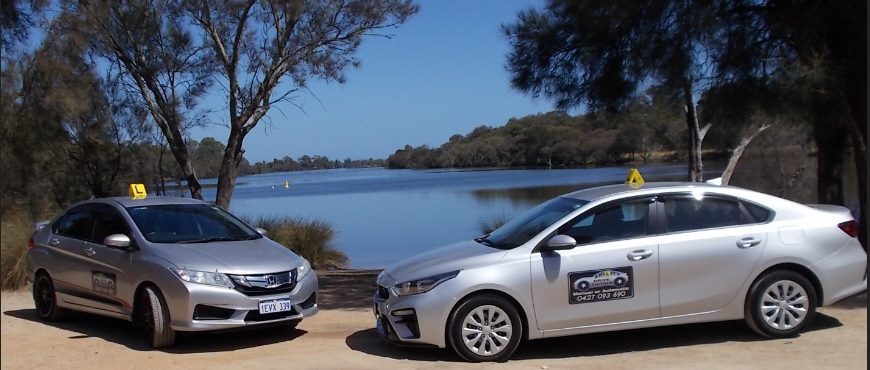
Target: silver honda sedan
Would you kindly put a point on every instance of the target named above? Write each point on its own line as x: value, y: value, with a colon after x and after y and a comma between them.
x: 625, y: 257
x: 166, y: 264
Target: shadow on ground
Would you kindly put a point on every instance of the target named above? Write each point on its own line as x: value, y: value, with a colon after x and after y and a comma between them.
x: 369, y: 342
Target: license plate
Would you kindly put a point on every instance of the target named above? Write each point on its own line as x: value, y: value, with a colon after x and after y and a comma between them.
x: 275, y: 305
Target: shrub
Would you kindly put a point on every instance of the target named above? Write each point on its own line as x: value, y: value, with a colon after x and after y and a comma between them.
x: 16, y: 228
x: 310, y: 239
x: 489, y: 224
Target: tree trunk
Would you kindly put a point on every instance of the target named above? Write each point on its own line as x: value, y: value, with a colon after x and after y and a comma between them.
x: 229, y: 167
x: 830, y: 140
x: 859, y: 151
x: 738, y: 152
x: 696, y: 134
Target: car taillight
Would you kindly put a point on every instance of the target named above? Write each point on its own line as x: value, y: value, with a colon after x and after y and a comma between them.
x: 850, y: 227
x: 30, y: 243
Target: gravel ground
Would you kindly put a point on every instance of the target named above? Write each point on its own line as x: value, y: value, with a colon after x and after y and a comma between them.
x: 342, y: 336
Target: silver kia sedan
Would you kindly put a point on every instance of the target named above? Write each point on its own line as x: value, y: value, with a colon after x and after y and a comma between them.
x: 166, y: 264
x: 625, y: 257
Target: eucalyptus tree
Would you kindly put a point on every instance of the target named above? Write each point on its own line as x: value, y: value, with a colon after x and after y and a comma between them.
x: 268, y: 50
x: 599, y: 54
x: 16, y: 19
x: 815, y: 52
x: 149, y: 42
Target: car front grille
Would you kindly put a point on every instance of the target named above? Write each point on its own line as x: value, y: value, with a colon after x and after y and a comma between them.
x: 265, y: 284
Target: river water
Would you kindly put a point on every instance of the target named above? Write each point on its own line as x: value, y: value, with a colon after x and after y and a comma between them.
x: 383, y: 216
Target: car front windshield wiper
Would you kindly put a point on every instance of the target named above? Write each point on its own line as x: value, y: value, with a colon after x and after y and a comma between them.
x: 209, y: 240
x: 485, y: 241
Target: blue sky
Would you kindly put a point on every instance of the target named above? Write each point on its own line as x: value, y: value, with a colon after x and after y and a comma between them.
x: 441, y: 74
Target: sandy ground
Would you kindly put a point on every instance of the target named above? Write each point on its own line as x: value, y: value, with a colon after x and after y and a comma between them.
x: 341, y: 336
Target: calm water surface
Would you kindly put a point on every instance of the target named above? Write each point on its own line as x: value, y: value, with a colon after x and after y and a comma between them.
x: 383, y: 216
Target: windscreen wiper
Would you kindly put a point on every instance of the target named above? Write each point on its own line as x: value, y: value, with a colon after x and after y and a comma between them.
x: 484, y: 240
x: 209, y: 240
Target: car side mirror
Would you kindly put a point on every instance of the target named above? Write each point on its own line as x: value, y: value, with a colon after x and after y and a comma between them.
x: 261, y: 230
x: 560, y: 242
x: 119, y: 241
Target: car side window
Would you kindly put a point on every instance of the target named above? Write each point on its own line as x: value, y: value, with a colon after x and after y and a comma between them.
x: 108, y: 222
x: 689, y: 213
x: 759, y: 213
x: 75, y: 224
x: 621, y: 221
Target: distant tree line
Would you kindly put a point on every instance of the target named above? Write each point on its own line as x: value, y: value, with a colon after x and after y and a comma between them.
x: 644, y: 132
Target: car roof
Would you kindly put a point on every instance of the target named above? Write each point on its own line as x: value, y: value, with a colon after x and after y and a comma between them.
x: 147, y: 201
x: 594, y: 193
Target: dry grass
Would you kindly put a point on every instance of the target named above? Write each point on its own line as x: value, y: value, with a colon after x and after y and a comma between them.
x: 488, y: 224
x: 309, y: 239
x: 15, y: 228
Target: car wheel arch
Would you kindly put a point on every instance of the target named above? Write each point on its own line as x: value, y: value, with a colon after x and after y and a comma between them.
x: 524, y: 317
x: 797, y: 268
x: 138, y: 302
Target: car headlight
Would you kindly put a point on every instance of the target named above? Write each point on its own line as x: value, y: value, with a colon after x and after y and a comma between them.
x: 422, y: 285
x: 305, y: 269
x: 204, y: 277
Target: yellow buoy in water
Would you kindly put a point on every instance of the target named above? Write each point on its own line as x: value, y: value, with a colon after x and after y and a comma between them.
x: 287, y: 184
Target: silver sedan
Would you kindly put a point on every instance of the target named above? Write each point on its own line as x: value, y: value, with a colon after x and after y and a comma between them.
x: 166, y: 264
x: 622, y: 257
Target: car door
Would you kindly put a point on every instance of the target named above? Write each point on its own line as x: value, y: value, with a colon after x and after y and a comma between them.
x: 610, y: 276
x: 107, y: 269
x: 708, y: 247
x: 67, y: 245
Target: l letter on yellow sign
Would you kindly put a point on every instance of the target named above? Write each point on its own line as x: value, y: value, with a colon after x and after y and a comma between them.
x: 137, y: 191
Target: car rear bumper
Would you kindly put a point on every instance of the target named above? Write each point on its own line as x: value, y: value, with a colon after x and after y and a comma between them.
x: 846, y: 273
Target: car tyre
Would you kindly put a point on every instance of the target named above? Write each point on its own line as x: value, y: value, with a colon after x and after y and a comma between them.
x: 45, y: 299
x: 780, y: 304
x: 155, y: 319
x: 484, y: 328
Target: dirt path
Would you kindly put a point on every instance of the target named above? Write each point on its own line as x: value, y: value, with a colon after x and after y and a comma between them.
x: 344, y: 338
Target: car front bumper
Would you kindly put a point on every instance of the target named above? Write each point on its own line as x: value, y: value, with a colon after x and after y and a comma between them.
x: 414, y: 320
x: 205, y: 308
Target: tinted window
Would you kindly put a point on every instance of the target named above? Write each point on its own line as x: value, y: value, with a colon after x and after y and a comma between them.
x: 107, y: 222
x: 626, y: 220
x: 759, y: 213
x: 175, y: 223
x: 689, y: 213
x: 75, y: 225
x: 524, y: 227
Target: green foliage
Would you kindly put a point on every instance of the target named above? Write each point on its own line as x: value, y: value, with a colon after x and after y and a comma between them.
x: 309, y: 239
x: 644, y: 133
x: 16, y: 228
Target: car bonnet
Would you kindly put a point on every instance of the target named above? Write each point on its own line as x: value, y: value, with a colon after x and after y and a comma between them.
x: 237, y: 257
x: 458, y: 256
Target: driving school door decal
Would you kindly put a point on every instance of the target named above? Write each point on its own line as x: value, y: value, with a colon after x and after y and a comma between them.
x: 601, y: 285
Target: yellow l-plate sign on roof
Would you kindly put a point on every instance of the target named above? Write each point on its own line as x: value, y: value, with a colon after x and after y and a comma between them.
x: 634, y: 179
x: 137, y: 191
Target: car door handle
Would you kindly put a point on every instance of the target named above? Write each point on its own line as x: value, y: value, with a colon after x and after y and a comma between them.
x: 54, y: 242
x: 748, y: 242
x: 640, y: 254
x: 90, y: 252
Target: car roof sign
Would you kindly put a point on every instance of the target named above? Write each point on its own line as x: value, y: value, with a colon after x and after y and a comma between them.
x: 137, y: 191
x: 634, y: 179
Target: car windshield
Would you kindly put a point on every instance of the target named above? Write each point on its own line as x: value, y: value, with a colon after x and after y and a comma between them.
x: 189, y: 223
x: 518, y: 231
